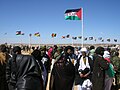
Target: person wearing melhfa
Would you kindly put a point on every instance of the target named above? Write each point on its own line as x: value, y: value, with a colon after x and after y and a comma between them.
x: 100, y: 66
x: 63, y: 72
x: 23, y: 72
x: 83, y: 70
x: 110, y: 73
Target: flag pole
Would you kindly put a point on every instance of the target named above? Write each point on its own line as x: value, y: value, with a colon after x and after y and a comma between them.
x: 40, y: 42
x: 82, y: 30
x: 72, y: 42
x: 30, y: 40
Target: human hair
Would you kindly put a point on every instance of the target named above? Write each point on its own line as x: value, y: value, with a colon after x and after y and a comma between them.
x: 3, y: 48
x: 92, y: 47
x: 2, y: 58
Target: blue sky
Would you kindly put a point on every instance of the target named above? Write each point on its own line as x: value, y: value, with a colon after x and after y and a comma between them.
x: 101, y: 19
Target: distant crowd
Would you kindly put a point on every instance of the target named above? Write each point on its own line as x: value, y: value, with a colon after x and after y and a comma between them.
x: 70, y: 68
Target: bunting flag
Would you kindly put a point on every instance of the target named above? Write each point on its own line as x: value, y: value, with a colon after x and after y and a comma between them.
x: 68, y: 36
x: 22, y: 33
x: 18, y: 32
x: 53, y: 34
x: 63, y: 37
x: 102, y: 40
x: 90, y: 38
x: 37, y: 34
x: 108, y: 39
x: 73, y: 14
x: 74, y: 38
x: 30, y: 34
x: 85, y: 39
x: 115, y: 40
x: 80, y: 37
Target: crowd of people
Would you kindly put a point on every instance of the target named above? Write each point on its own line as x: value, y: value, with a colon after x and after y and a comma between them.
x: 70, y: 68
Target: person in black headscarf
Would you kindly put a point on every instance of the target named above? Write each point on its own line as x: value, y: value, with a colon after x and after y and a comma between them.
x: 63, y: 73
x: 37, y: 55
x: 23, y: 72
x: 100, y: 65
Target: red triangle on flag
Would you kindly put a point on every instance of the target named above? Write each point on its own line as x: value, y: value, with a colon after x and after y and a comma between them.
x: 79, y: 13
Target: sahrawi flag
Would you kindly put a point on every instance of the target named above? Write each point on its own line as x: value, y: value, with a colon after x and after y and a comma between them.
x: 73, y: 14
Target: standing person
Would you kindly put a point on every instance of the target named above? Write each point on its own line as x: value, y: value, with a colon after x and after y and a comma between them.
x: 37, y: 55
x: 3, y: 60
x: 63, y: 73
x: 83, y: 68
x: 23, y: 72
x: 92, y: 52
x: 109, y: 74
x: 46, y: 62
x: 100, y: 65
x: 116, y: 63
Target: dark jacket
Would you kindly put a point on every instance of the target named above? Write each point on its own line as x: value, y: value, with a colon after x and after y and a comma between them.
x: 24, y: 73
x: 98, y: 77
x: 63, y: 74
x: 3, y: 83
x: 78, y: 79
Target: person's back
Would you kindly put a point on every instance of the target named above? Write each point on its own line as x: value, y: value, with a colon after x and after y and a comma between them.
x: 28, y: 73
x: 100, y: 65
x: 23, y: 73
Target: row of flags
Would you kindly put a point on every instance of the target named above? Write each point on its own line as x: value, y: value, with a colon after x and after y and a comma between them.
x: 92, y: 38
x: 37, y: 34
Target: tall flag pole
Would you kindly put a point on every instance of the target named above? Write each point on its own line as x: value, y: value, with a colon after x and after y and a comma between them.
x: 75, y: 14
x: 82, y: 29
x: 30, y: 40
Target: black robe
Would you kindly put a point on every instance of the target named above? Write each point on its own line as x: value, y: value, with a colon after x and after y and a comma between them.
x: 98, y: 77
x: 62, y: 76
x: 24, y: 74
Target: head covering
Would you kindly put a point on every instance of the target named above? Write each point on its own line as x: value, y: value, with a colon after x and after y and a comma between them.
x: 100, y: 50
x: 83, y: 50
x: 106, y: 54
x: 59, y: 49
x: 43, y: 48
x: 37, y: 54
x: 92, y: 52
x: 16, y: 49
x: 68, y: 47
